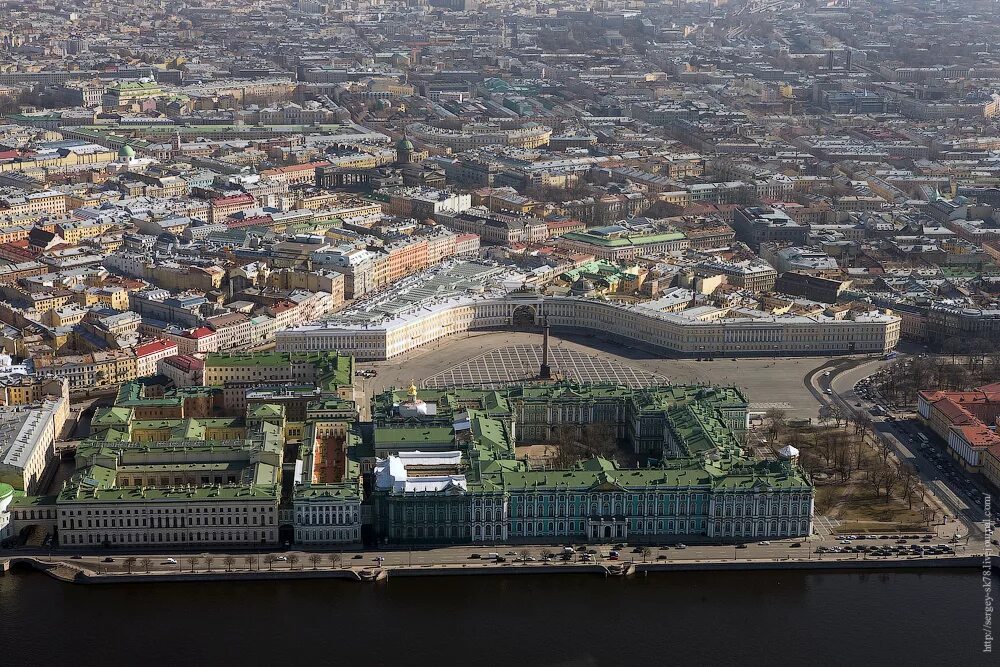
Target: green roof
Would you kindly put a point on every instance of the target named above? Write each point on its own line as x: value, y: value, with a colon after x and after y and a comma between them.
x: 413, y: 438
x: 333, y: 370
x: 317, y: 492
x: 624, y: 240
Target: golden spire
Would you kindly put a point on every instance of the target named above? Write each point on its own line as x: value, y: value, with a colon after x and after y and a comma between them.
x: 412, y: 390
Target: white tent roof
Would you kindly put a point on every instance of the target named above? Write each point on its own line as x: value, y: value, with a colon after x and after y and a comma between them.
x: 788, y: 452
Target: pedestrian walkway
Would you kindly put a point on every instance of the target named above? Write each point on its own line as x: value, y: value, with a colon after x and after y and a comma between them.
x: 825, y: 526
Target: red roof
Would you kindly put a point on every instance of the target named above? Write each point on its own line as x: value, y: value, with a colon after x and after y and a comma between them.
x: 200, y: 332
x: 154, y: 347
x: 978, y: 435
x: 185, y: 362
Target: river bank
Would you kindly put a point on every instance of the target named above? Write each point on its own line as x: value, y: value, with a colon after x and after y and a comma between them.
x: 70, y: 573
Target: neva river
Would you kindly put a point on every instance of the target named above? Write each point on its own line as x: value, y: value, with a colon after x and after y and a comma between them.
x: 727, y: 618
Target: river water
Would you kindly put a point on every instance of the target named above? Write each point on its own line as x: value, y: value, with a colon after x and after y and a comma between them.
x: 724, y: 618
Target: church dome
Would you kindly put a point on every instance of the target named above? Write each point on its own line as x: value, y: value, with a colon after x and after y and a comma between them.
x: 126, y: 152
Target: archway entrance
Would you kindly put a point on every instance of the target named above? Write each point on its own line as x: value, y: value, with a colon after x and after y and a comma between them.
x: 523, y: 318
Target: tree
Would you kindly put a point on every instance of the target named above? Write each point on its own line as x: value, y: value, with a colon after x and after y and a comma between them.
x: 292, y: 560
x: 908, y: 482
x: 842, y: 460
x: 547, y: 554
x: 837, y: 414
x: 524, y: 553
x: 858, y: 453
x: 953, y: 346
x: 270, y: 559
x: 890, y: 479
x: 315, y: 559
x: 193, y: 562
x: 208, y: 562
x: 862, y: 423
x: 776, y: 420
x: 599, y: 439
x: 248, y: 560
x: 130, y: 563
x: 565, y: 445
x: 230, y: 562
x: 146, y: 563
x: 825, y: 443
x: 334, y: 560
x: 883, y: 450
x: 646, y: 553
x: 825, y: 415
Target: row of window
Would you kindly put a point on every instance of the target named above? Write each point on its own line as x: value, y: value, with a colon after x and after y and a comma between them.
x: 165, y: 522
x: 178, y: 537
x: 327, y: 535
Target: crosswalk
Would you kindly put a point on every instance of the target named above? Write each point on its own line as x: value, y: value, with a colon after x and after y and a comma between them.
x: 758, y: 407
x: 824, y: 525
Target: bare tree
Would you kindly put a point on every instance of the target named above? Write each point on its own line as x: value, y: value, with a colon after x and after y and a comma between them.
x: 248, y: 561
x: 889, y: 478
x: 646, y: 553
x: 567, y: 449
x: 908, y: 482
x: 859, y: 454
x: 315, y: 559
x: 230, y: 562
x: 146, y: 563
x: 130, y: 563
x: 825, y: 415
x: 776, y: 420
x: 837, y: 414
x: 842, y: 461
x: 292, y: 560
x: 524, y: 553
x: 599, y: 439
x: 270, y: 560
x: 862, y: 423
x: 883, y: 450
x: 193, y: 562
x: 208, y: 562
x: 334, y: 560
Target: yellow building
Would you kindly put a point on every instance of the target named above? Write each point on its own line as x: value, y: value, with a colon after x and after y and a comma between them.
x: 30, y: 389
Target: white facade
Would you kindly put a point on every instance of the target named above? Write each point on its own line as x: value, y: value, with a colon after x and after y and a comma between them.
x: 327, y: 515
x: 749, y: 333
x: 155, y: 521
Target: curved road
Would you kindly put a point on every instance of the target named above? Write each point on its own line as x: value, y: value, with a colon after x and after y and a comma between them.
x: 948, y: 488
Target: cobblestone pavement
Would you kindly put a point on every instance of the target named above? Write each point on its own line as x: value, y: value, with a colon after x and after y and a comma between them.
x: 516, y: 363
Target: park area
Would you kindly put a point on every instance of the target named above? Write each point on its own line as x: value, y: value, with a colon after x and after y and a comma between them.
x: 860, y: 485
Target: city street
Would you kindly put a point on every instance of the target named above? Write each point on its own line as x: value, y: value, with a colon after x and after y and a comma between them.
x: 485, y: 555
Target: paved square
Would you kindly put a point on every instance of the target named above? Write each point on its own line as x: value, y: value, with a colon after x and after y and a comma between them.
x: 518, y: 363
